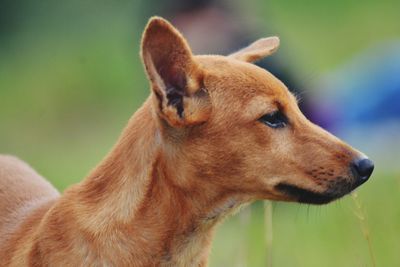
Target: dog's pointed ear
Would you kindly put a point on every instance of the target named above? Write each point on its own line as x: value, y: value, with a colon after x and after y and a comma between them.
x: 176, y: 79
x: 259, y: 49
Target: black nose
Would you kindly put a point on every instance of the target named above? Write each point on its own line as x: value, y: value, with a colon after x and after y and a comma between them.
x: 362, y: 169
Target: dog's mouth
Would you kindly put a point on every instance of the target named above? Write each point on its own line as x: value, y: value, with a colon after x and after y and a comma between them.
x: 305, y: 196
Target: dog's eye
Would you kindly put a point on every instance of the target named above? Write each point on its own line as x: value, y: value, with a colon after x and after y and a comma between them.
x: 275, y: 119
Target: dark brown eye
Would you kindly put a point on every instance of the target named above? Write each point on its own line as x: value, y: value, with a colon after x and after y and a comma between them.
x: 274, y: 119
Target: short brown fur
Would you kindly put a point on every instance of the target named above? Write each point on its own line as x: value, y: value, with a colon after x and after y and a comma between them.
x: 191, y: 155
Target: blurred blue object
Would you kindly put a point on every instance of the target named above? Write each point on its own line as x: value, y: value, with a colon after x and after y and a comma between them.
x: 364, y: 91
x: 360, y: 103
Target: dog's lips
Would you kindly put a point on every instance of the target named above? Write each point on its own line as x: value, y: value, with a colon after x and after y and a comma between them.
x: 305, y: 196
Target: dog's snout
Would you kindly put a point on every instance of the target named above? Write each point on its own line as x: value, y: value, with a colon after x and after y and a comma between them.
x: 362, y: 170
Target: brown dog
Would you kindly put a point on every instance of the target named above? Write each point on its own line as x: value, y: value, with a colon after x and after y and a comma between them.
x: 216, y: 132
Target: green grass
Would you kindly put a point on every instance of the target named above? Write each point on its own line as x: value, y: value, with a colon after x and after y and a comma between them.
x: 319, y: 235
x: 70, y: 77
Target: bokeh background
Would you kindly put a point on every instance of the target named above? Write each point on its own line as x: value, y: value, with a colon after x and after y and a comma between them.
x: 70, y: 78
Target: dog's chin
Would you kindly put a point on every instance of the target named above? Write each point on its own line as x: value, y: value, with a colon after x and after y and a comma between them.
x: 302, y: 195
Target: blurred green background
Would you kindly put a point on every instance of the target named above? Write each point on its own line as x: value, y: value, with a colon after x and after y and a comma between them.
x: 70, y: 78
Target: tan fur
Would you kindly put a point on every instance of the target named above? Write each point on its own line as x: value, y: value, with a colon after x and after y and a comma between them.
x: 173, y: 175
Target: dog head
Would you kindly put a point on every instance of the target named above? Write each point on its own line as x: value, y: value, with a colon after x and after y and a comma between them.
x: 234, y: 127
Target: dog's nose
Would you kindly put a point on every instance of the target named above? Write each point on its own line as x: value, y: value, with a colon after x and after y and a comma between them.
x: 362, y: 170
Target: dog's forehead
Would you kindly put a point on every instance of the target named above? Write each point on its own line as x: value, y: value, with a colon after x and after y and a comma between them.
x: 241, y: 90
x: 233, y: 77
x: 241, y: 84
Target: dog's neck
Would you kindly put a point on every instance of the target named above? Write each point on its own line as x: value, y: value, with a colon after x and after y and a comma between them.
x: 139, y: 192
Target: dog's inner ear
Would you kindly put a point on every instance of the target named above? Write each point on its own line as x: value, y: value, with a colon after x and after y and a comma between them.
x: 257, y: 50
x: 175, y: 78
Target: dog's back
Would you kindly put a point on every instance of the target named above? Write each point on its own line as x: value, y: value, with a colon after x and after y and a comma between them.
x: 22, y: 191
